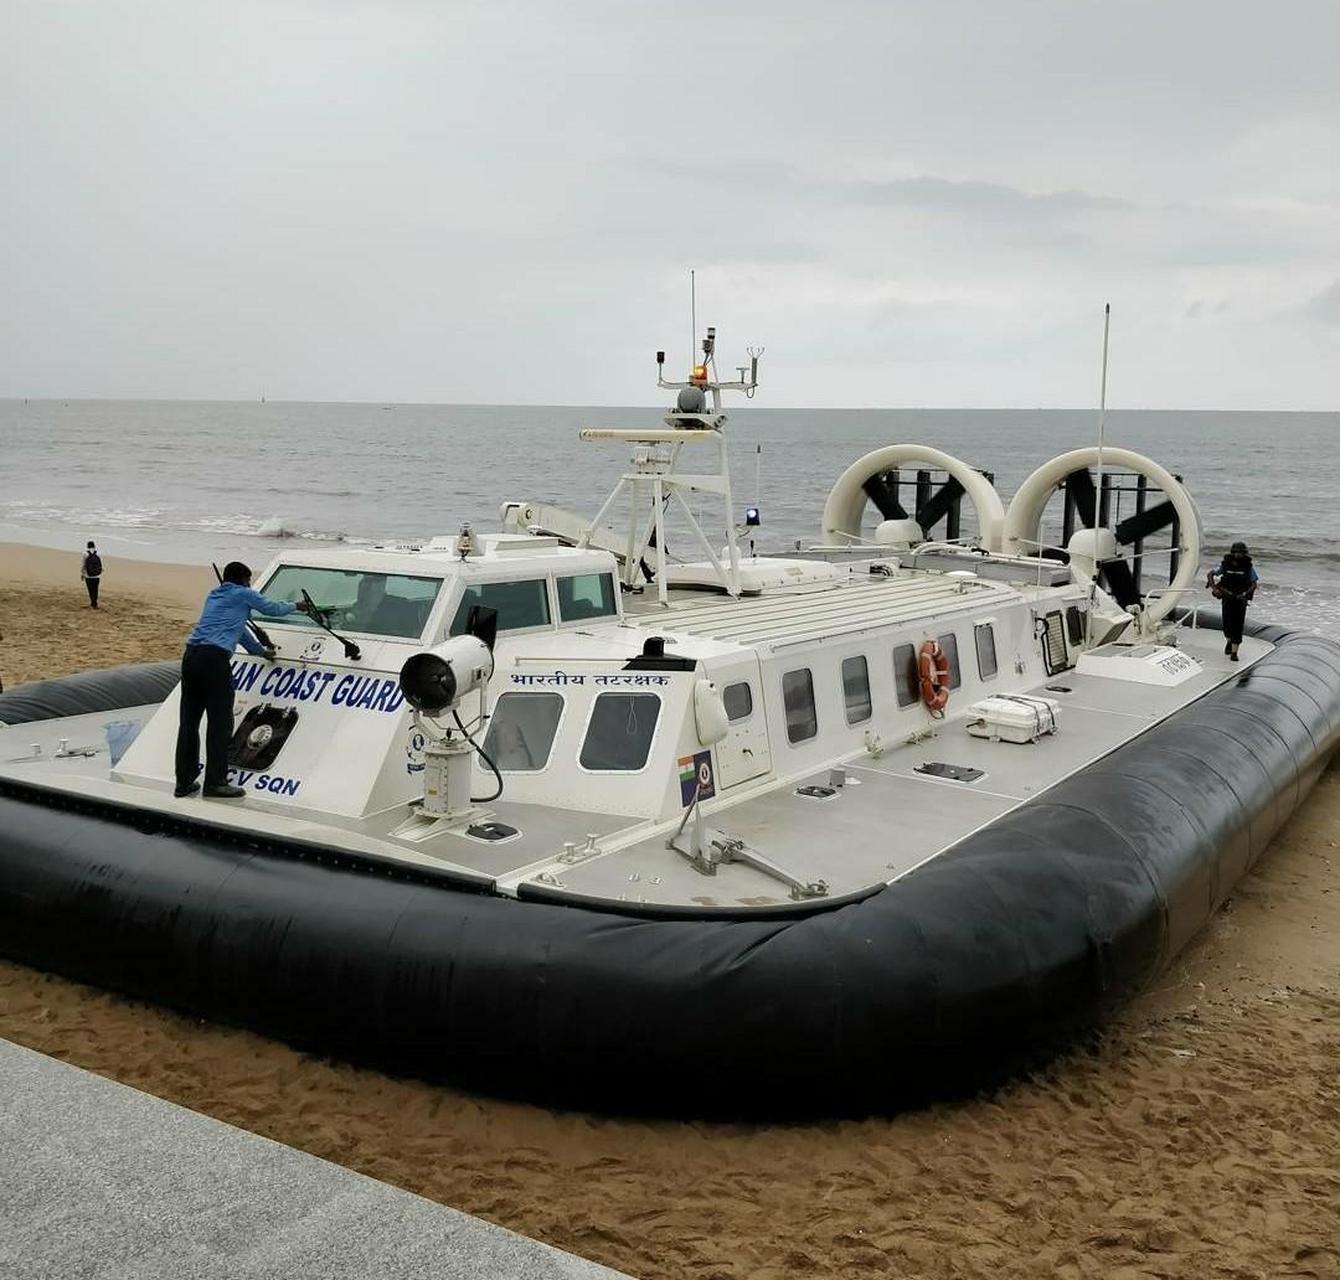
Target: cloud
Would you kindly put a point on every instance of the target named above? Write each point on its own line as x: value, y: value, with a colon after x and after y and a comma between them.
x: 428, y: 202
x: 1060, y: 223
x: 1326, y: 305
x: 983, y: 198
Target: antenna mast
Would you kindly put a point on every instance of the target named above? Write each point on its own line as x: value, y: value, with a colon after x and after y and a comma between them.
x: 693, y: 315
x: 1102, y: 410
x: 697, y: 416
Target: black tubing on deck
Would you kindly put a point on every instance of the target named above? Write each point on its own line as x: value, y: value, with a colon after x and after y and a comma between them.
x: 982, y: 960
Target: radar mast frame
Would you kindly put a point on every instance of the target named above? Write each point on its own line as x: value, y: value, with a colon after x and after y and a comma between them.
x: 654, y: 472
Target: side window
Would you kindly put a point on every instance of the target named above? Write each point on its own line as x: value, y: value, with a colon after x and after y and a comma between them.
x: 521, y: 732
x: 985, y: 637
x: 519, y: 604
x: 586, y: 595
x: 618, y: 738
x: 802, y: 722
x: 949, y: 643
x: 856, y: 689
x: 905, y: 677
x: 1074, y: 620
x: 739, y: 700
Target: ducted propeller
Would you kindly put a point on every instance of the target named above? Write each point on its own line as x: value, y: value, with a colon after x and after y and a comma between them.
x: 882, y: 490
x: 1117, y: 574
x: 1095, y: 549
x: 873, y: 481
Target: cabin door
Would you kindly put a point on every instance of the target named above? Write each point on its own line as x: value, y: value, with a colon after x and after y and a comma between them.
x: 743, y: 753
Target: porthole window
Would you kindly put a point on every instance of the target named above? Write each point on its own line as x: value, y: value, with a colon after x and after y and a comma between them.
x: 949, y: 643
x: 906, y: 680
x: 802, y: 721
x: 856, y: 689
x: 739, y: 700
x: 985, y: 638
x: 618, y: 737
x: 521, y: 732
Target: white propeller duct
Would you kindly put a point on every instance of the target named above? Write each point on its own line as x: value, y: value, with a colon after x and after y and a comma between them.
x: 1099, y: 551
x: 866, y: 480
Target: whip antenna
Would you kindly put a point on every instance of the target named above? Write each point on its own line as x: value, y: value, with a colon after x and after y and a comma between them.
x: 693, y: 317
x: 1102, y: 408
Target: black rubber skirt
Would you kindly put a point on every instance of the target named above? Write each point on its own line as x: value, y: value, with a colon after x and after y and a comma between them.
x: 980, y: 962
x: 110, y: 690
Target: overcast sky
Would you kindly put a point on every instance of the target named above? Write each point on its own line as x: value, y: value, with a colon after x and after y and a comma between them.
x: 907, y: 203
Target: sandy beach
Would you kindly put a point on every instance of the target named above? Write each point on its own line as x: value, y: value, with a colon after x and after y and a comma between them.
x: 1197, y: 1136
x: 144, y: 612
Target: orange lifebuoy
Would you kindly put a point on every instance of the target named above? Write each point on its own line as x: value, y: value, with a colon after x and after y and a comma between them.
x: 933, y: 668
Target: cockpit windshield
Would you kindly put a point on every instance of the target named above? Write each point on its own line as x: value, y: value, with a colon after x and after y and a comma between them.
x: 375, y: 604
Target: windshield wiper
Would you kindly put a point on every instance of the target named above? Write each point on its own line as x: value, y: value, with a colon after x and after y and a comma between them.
x: 318, y: 615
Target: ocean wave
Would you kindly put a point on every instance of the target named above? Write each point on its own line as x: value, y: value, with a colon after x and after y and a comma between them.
x: 310, y: 491
x: 277, y: 528
x: 1312, y: 550
x: 1280, y: 547
x: 157, y: 520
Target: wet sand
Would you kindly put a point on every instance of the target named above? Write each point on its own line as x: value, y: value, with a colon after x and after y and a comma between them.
x: 1197, y: 1136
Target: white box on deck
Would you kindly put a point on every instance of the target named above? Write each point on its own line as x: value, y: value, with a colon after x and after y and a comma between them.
x: 1010, y: 717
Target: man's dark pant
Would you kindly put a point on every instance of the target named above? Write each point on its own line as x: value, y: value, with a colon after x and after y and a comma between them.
x: 1234, y: 611
x: 206, y: 687
x: 92, y: 585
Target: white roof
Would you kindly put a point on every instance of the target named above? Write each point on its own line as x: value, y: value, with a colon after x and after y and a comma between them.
x: 509, y: 555
x: 854, y: 603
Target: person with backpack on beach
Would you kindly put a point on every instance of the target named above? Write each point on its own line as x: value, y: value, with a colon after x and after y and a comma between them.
x: 90, y: 570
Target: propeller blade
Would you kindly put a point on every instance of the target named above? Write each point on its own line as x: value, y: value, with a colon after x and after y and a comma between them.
x: 1120, y: 582
x: 1080, y: 484
x: 937, y: 506
x: 1143, y: 523
x: 884, y: 494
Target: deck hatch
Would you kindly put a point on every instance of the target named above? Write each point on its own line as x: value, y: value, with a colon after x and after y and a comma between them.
x: 260, y: 736
x: 954, y: 772
x: 492, y: 832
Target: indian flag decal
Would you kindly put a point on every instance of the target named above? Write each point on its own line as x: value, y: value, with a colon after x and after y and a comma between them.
x: 695, y: 777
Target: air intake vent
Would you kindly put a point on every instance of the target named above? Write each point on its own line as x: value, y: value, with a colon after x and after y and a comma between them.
x: 1054, y: 655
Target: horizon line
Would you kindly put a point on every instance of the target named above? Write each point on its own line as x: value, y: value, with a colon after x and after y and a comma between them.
x: 659, y: 408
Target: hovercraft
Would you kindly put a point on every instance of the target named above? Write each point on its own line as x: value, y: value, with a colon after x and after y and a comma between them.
x: 545, y: 813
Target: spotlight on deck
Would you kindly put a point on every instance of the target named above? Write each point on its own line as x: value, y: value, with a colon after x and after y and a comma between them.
x: 437, y: 679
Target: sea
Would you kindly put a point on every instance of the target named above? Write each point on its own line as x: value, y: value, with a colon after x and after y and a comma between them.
x: 190, y: 482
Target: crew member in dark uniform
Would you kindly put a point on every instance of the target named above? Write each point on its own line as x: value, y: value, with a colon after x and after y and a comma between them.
x: 1234, y: 583
x: 207, y: 678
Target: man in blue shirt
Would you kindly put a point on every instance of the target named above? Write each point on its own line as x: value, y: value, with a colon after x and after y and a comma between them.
x: 207, y: 678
